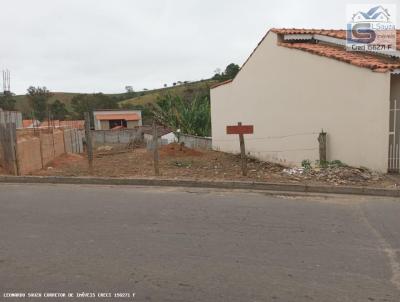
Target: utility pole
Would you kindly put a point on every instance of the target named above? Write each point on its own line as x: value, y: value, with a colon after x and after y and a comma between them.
x: 89, y: 146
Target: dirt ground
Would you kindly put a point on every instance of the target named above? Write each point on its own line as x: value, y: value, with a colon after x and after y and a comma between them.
x: 185, y: 163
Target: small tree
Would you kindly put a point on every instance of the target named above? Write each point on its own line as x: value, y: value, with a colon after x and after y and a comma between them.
x: 58, y: 110
x: 7, y: 101
x: 38, y: 99
x: 129, y: 89
x: 230, y: 72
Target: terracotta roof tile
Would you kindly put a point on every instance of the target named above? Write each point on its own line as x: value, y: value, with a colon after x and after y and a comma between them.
x: 377, y: 63
x: 117, y: 116
x: 335, y: 33
x: 374, y: 62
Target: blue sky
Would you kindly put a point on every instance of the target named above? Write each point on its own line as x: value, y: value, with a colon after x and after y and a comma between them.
x: 104, y: 45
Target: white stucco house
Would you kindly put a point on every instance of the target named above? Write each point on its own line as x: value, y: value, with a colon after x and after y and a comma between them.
x: 117, y: 119
x: 298, y: 82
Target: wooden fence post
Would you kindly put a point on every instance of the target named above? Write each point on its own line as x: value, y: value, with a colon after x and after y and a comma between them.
x: 241, y: 130
x: 41, y: 148
x: 13, y: 146
x: 155, y: 149
x: 322, y: 147
x: 89, y: 145
x: 242, y: 152
x: 63, y: 135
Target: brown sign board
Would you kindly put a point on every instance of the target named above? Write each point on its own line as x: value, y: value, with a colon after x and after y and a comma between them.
x: 240, y: 129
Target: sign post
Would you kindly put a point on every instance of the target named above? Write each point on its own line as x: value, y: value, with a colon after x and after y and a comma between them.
x: 241, y: 130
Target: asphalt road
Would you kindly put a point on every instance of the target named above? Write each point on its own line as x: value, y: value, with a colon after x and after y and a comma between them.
x: 166, y: 244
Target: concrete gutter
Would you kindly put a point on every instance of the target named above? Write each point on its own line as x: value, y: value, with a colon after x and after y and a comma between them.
x: 301, y: 188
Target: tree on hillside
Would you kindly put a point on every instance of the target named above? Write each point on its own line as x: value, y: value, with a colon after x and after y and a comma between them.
x: 82, y: 103
x: 38, y: 99
x: 129, y: 94
x: 190, y: 116
x: 58, y: 110
x: 7, y: 101
x: 230, y: 72
x: 129, y: 89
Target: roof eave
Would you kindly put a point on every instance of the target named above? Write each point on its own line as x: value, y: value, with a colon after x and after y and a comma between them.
x: 335, y: 41
x: 221, y: 84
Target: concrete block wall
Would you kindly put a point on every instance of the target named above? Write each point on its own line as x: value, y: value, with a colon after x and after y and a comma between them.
x: 35, y: 151
x: 196, y: 142
x: 124, y: 136
x: 59, y: 147
x: 28, y: 155
x: 46, y: 141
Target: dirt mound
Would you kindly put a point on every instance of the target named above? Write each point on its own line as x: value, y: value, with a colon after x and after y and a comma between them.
x: 65, y: 159
x: 176, y: 150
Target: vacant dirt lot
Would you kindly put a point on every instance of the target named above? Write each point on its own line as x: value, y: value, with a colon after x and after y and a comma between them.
x: 177, y: 162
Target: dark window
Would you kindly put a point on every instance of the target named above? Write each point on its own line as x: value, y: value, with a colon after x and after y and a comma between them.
x: 116, y: 123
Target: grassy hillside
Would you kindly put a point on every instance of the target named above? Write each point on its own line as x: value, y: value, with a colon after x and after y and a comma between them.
x: 22, y: 103
x: 144, y: 97
x: 184, y: 90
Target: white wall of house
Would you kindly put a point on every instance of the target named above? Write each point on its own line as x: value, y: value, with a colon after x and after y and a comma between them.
x: 290, y: 95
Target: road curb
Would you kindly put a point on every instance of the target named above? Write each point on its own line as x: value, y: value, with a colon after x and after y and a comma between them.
x: 203, y: 184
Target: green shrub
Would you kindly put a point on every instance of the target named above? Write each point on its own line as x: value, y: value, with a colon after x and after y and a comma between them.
x: 306, y: 164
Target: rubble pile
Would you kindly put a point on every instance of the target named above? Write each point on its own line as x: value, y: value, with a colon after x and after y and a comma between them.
x: 343, y: 175
x: 338, y: 175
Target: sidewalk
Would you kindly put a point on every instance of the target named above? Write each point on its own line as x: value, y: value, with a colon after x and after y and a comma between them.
x: 263, y: 186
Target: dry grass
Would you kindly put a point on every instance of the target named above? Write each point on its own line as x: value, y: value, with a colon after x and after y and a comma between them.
x: 188, y: 164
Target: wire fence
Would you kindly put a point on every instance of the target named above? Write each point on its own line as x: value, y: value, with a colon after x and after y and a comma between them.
x: 264, y: 139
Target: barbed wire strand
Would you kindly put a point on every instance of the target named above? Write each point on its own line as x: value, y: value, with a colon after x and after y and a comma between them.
x: 266, y: 137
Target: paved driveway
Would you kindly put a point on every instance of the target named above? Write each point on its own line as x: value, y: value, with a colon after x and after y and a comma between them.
x: 166, y: 244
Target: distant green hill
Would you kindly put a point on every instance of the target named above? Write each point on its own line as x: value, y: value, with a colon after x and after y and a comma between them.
x: 185, y: 90
x: 22, y: 103
x: 144, y: 97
